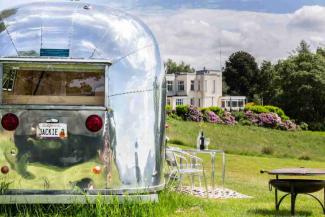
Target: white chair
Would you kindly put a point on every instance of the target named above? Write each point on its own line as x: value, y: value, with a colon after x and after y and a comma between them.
x: 180, y: 164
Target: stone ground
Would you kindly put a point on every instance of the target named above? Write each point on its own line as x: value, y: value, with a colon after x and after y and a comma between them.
x: 218, y: 193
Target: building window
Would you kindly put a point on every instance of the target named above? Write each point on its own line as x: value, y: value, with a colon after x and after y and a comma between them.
x: 234, y: 104
x: 199, y: 102
x: 192, y: 85
x: 192, y: 101
x: 179, y: 101
x: 199, y: 85
x: 180, y: 85
x: 168, y: 102
x: 223, y: 104
x: 240, y: 104
x: 169, y: 86
x: 228, y: 103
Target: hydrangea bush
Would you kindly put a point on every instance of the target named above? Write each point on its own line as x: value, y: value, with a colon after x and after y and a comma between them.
x: 228, y: 118
x: 211, y: 117
x: 288, y: 125
x: 249, y: 117
x: 269, y: 120
x: 194, y: 114
x: 252, y: 117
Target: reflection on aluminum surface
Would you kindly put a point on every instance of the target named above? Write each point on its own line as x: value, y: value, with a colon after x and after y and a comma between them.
x: 127, y: 152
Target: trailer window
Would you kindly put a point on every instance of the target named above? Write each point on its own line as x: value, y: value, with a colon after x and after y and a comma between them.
x: 45, y: 84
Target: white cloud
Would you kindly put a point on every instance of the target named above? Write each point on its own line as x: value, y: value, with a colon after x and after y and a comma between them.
x: 195, y: 35
x: 309, y: 18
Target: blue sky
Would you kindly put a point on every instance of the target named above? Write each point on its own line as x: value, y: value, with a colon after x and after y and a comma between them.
x: 269, y: 6
x: 197, y: 31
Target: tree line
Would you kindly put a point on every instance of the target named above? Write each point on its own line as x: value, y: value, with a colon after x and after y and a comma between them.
x: 296, y: 84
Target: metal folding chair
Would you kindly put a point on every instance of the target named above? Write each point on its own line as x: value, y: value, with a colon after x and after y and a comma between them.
x: 180, y: 164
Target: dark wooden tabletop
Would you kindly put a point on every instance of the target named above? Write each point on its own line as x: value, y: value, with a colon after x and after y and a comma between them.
x: 297, y: 172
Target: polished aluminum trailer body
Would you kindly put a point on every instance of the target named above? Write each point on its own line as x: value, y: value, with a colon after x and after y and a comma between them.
x: 61, y: 63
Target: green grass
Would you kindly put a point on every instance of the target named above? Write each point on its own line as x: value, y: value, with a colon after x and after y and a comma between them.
x: 242, y: 175
x: 251, y: 140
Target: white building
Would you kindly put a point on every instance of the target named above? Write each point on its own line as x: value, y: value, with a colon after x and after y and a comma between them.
x: 231, y: 103
x: 201, y: 89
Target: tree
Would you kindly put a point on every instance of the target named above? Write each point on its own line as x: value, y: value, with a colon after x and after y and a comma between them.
x: 268, y: 83
x: 172, y: 67
x: 241, y: 74
x: 303, y: 85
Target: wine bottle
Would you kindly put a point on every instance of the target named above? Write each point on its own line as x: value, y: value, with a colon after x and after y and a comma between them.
x: 202, y: 141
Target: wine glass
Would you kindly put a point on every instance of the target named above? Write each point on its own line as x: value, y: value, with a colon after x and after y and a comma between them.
x: 207, y: 142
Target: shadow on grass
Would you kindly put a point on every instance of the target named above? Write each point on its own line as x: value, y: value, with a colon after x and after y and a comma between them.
x: 280, y: 213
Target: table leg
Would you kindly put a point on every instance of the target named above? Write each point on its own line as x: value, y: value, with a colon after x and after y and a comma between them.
x: 223, y: 168
x: 276, y: 197
x: 293, y: 200
x: 276, y: 200
x: 213, y: 160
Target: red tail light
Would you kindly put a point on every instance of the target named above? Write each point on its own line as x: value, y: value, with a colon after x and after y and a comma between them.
x: 9, y: 122
x: 94, y: 123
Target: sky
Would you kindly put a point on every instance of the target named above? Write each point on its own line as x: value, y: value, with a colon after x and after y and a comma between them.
x: 204, y: 33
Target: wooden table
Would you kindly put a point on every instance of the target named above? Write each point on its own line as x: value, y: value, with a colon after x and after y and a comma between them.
x: 294, y: 187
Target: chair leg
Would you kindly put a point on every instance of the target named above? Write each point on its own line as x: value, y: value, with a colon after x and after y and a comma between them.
x: 199, y: 177
x: 205, y: 183
x: 192, y: 182
x: 180, y: 181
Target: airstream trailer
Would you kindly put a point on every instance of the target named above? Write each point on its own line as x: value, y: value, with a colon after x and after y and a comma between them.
x: 81, y: 105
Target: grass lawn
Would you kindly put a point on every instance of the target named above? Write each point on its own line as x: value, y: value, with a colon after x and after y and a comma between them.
x: 244, y: 161
x: 242, y: 175
x: 251, y: 140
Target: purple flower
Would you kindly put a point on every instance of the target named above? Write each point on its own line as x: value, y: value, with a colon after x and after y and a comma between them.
x: 228, y: 118
x: 194, y: 114
x: 211, y: 117
x: 288, y: 125
x: 269, y: 120
x: 252, y: 117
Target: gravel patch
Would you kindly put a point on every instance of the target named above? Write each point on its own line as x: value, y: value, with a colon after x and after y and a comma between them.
x: 218, y: 193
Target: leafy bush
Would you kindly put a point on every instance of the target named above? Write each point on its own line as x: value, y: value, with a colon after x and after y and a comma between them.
x: 303, y: 126
x: 252, y: 117
x: 269, y: 120
x: 182, y: 111
x: 250, y: 104
x: 169, y: 109
x: 174, y: 116
x: 266, y: 109
x: 194, y: 114
x: 288, y: 125
x: 211, y: 117
x: 228, y: 118
x: 278, y: 111
x: 239, y: 116
x: 217, y: 110
x: 246, y: 122
x: 256, y: 109
x: 317, y: 126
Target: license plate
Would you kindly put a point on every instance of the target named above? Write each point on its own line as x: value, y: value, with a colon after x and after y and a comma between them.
x: 52, y: 130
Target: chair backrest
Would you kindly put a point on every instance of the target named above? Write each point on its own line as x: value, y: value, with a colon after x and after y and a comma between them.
x: 170, y: 158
